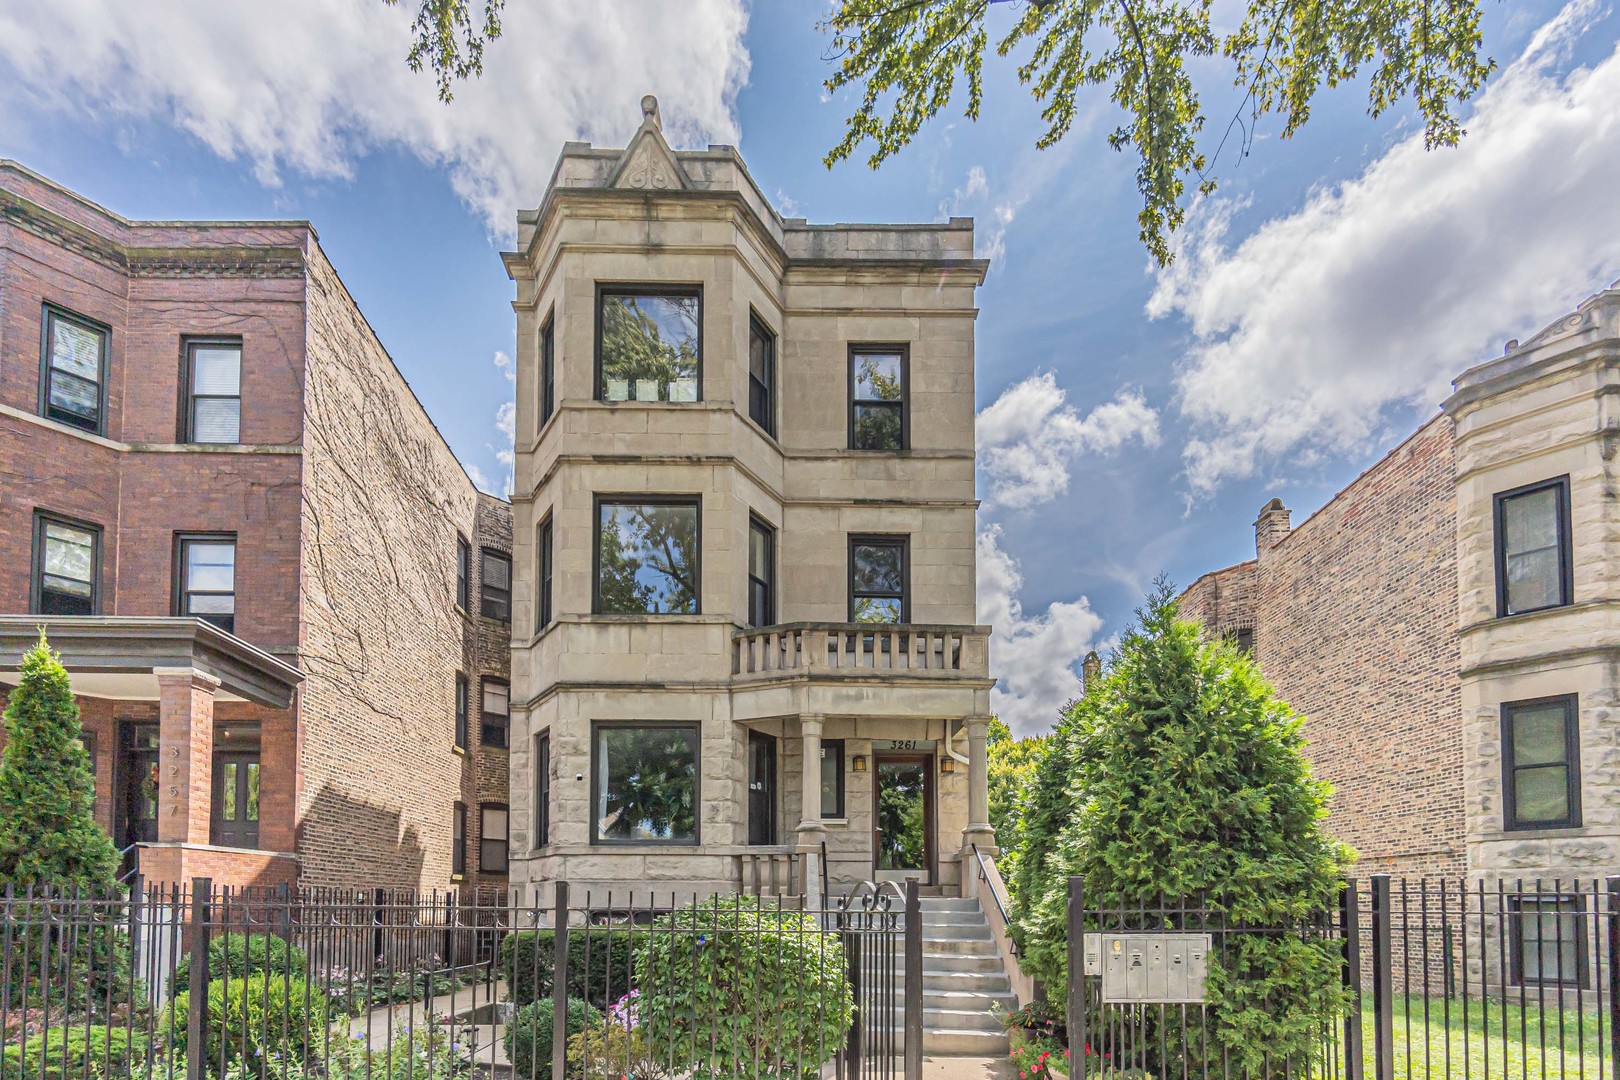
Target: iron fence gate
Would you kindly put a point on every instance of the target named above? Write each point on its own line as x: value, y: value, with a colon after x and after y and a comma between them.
x: 1403, y: 979
x: 201, y: 983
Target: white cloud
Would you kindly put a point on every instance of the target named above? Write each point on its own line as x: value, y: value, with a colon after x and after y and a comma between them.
x: 503, y: 364
x: 1029, y: 435
x: 506, y: 427
x: 308, y: 85
x: 1380, y: 289
x: 1033, y: 658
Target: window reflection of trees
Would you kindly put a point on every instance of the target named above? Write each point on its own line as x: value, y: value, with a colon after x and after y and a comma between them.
x: 648, y: 784
x: 648, y: 558
x: 650, y: 346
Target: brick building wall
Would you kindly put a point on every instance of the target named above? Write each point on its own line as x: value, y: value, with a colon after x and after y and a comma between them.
x: 1355, y: 621
x: 384, y: 501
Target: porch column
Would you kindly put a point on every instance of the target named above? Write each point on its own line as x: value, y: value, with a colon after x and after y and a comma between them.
x: 811, y: 830
x: 978, y: 829
x: 185, y: 754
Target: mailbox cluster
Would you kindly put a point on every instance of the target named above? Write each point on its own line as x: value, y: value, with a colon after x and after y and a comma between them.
x: 1149, y: 968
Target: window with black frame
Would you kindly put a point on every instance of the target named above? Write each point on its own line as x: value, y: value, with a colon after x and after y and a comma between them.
x: 458, y: 840
x: 649, y: 343
x: 496, y: 717
x: 832, y: 778
x: 548, y: 370
x: 1533, y: 551
x: 877, y: 579
x: 1541, y: 764
x: 67, y: 562
x: 214, y: 392
x: 207, y: 586
x: 761, y: 375
x: 495, y: 586
x: 463, y: 574
x: 73, y: 371
x: 877, y: 397
x: 761, y: 573
x: 543, y: 542
x: 542, y: 789
x: 1548, y: 937
x: 647, y: 557
x: 463, y: 710
x: 493, y: 836
x: 645, y: 784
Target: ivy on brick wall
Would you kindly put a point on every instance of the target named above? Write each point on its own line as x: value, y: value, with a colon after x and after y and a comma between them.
x: 48, y: 831
x: 1180, y: 775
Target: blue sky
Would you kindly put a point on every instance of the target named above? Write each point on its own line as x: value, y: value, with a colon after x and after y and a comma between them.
x: 1132, y: 421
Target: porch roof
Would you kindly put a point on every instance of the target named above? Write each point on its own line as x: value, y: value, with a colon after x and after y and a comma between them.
x: 115, y: 656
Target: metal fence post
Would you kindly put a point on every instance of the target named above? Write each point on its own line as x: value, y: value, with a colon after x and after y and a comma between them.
x: 1074, y: 1005
x: 559, y: 985
x: 914, y: 982
x: 1383, y: 978
x: 202, y: 890
x: 851, y: 1058
x: 1350, y: 925
x: 1614, y: 972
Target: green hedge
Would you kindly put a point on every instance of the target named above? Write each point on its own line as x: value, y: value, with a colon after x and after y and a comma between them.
x: 598, y: 964
x: 736, y: 988
x: 253, y: 1017
x: 528, y: 1037
x: 236, y: 955
x: 97, y: 1053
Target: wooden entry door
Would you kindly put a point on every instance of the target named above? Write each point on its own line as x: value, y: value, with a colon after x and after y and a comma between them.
x: 234, y: 816
x: 903, y: 817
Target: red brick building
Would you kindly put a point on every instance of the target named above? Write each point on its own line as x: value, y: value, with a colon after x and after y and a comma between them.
x: 284, y: 605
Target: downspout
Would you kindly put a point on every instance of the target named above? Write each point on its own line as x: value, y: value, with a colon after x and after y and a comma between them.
x: 950, y: 738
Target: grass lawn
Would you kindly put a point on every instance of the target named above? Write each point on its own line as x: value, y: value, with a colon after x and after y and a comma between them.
x: 1497, y: 1040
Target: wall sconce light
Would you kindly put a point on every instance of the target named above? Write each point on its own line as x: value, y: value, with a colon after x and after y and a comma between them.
x: 858, y: 763
x: 947, y: 765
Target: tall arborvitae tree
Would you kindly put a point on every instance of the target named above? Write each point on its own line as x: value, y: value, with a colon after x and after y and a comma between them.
x: 48, y: 831
x: 1188, y: 779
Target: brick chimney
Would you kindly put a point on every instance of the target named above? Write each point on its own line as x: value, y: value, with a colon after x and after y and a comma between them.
x: 1270, y: 527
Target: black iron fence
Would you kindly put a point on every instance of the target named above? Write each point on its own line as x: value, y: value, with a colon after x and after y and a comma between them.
x: 1405, y: 978
x: 199, y: 982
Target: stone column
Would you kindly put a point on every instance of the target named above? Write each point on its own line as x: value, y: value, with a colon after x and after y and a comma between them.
x: 978, y: 829
x: 811, y: 830
x: 185, y: 754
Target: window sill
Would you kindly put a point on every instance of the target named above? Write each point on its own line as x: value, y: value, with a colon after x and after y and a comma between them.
x: 1540, y: 832
x: 462, y: 750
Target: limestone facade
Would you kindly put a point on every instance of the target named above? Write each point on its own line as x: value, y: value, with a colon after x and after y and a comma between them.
x: 650, y: 218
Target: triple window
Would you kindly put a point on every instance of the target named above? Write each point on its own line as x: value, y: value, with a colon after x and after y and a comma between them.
x: 74, y: 370
x: 206, y: 579
x: 877, y: 397
x: 496, y: 712
x: 879, y: 569
x: 67, y: 564
x: 495, y: 586
x: 213, y: 392
x: 644, y: 784
x: 1541, y: 777
x: 649, y: 343
x: 1533, y: 555
x: 647, y: 556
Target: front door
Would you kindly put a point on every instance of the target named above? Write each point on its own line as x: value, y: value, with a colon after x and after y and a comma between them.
x: 136, y: 776
x: 904, y: 837
x: 234, y: 821
x: 761, y: 788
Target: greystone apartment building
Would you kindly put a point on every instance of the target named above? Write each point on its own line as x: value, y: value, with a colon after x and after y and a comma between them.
x: 744, y: 648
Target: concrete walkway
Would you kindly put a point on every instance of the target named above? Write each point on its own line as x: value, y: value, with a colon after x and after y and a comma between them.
x: 968, y: 1068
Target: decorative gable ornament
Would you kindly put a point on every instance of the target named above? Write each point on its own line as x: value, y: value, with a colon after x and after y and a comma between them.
x: 648, y: 164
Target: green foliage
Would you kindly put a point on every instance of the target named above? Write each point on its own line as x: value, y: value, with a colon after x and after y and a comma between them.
x: 734, y: 988
x: 450, y: 41
x: 252, y: 1018
x: 598, y: 964
x: 1185, y: 777
x: 528, y: 1040
x: 1012, y: 768
x: 1038, y: 1056
x: 905, y: 59
x: 613, y: 1052
x: 48, y: 832
x: 243, y: 954
x: 89, y: 1053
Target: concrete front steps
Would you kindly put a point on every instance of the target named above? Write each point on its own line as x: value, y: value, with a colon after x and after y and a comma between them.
x: 963, y: 977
